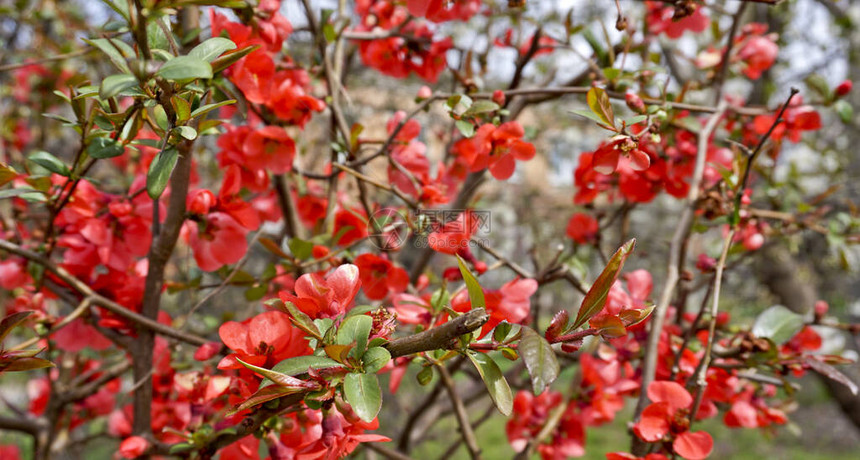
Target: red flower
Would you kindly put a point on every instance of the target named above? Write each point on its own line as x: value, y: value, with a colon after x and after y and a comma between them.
x: 667, y: 417
x: 379, y: 276
x: 216, y: 241
x: 509, y: 303
x: 263, y: 340
x: 496, y: 148
x: 444, y: 10
x: 582, y: 228
x: 325, y: 297
x: 133, y: 447
x: 453, y: 237
x: 660, y: 19
x: 757, y: 50
x: 351, y: 225
x: 797, y: 118
x: 270, y: 148
x: 531, y: 414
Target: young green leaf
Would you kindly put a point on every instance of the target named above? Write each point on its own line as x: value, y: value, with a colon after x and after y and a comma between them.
x: 159, y: 172
x: 476, y: 294
x: 115, y: 84
x: 50, y: 162
x: 777, y: 323
x: 375, y: 359
x: 595, y: 299
x: 496, y: 384
x: 210, y: 107
x: 539, y: 359
x: 185, y: 68
x: 212, y: 48
x: 363, y: 394
x: 104, y: 147
x: 355, y: 329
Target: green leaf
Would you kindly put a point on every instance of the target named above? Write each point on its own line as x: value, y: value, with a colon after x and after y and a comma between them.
x: 587, y: 114
x: 301, y: 249
x: 159, y: 172
x: 425, y: 375
x: 115, y: 84
x: 466, y: 128
x: 476, y: 294
x: 185, y: 68
x: 481, y: 106
x: 25, y: 193
x: 230, y: 58
x: 212, y: 48
x: 104, y: 147
x: 116, y: 50
x: 187, y: 132
x: 595, y: 299
x: 500, y: 333
x: 539, y: 359
x: 598, y: 102
x: 181, y: 107
x: 49, y: 162
x: 496, y: 384
x: 375, y: 359
x: 363, y: 394
x: 844, y: 110
x: 777, y: 323
x: 459, y: 104
x: 819, y: 85
x: 210, y: 107
x: 355, y: 329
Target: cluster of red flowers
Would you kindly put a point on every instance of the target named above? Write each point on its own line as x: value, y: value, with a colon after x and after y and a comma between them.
x: 411, y: 46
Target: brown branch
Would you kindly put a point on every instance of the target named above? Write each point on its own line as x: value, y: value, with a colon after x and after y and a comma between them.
x: 440, y: 337
x: 724, y: 66
x: 386, y: 452
x: 100, y: 300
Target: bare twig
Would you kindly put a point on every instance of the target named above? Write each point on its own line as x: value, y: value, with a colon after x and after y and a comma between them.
x: 460, y: 411
x: 672, y: 270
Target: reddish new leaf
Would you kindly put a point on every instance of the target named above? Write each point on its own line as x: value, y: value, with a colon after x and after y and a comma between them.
x: 263, y: 395
x: 598, y: 102
x: 558, y: 325
x: 608, y: 326
x: 634, y: 316
x: 280, y: 379
x: 831, y: 372
x: 10, y: 321
x: 595, y: 299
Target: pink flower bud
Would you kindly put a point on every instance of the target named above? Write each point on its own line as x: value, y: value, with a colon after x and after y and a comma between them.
x: 634, y: 102
x: 425, y: 92
x: 499, y: 97
x: 821, y: 308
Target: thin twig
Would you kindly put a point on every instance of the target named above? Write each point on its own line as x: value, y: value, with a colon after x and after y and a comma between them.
x: 672, y: 270
x: 460, y: 411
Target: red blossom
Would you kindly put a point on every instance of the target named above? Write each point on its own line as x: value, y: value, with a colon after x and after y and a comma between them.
x: 496, y: 148
x: 325, y: 297
x: 264, y: 340
x: 582, y: 228
x: 667, y: 417
x: 379, y: 277
x: 661, y: 19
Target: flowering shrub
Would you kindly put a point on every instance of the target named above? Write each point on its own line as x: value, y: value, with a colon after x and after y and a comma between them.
x: 215, y: 243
